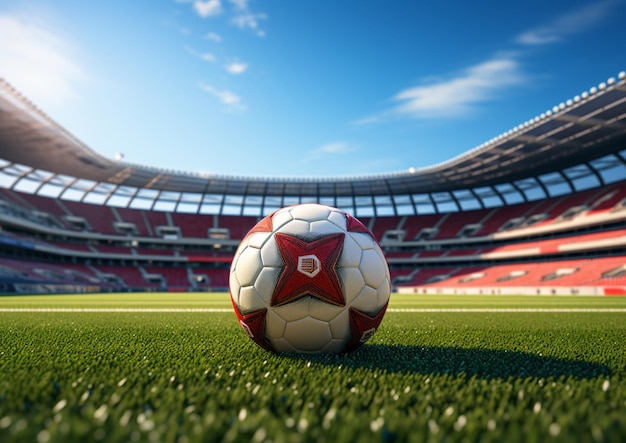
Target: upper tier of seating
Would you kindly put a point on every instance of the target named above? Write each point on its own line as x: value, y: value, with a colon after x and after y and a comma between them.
x: 111, y: 220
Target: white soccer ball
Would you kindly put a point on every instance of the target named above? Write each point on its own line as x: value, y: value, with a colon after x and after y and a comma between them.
x: 309, y: 279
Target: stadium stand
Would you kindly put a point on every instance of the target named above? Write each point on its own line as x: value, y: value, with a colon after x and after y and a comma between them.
x: 133, y: 222
x: 498, y: 221
x: 457, y: 227
x: 421, y: 227
x: 613, y: 198
x: 548, y: 217
x: 192, y: 225
x: 109, y: 242
x: 100, y: 220
x: 236, y: 226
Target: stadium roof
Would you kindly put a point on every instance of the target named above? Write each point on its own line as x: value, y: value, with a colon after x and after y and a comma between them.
x: 576, y: 145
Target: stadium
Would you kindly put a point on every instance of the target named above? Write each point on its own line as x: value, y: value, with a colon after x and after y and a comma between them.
x: 537, y: 211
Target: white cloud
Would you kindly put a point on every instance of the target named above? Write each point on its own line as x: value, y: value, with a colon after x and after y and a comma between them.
x: 334, y: 148
x: 242, y: 17
x: 574, y: 22
x: 240, y: 4
x: 248, y: 20
x: 369, y: 120
x: 457, y: 96
x: 213, y: 37
x: 38, y: 61
x: 236, y: 68
x: 230, y: 100
x: 206, y: 56
x: 208, y: 8
x: 328, y: 151
x: 461, y: 93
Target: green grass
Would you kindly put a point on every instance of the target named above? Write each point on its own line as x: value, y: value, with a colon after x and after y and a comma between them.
x: 425, y: 376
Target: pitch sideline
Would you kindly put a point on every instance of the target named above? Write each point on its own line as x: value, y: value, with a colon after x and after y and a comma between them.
x: 409, y: 310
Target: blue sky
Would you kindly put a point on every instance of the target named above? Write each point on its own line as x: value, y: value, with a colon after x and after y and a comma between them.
x: 303, y: 88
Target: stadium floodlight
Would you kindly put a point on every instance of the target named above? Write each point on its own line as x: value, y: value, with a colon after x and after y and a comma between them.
x: 602, y: 86
x: 621, y: 75
x: 593, y: 90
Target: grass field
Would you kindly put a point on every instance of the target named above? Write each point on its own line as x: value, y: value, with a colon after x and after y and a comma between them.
x: 177, y: 367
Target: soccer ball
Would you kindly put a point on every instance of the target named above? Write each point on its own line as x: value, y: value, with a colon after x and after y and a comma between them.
x: 309, y: 278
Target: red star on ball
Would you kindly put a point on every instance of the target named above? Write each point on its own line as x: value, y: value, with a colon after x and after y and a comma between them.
x: 253, y: 324
x: 310, y: 269
x: 362, y: 327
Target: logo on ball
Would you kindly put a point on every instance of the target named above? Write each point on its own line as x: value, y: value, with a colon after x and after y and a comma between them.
x: 309, y: 279
x: 309, y: 265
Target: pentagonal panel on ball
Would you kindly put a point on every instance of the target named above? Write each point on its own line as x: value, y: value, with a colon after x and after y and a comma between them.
x: 257, y: 239
x: 249, y: 300
x: 364, y: 240
x: 274, y: 325
x: 282, y: 345
x: 335, y: 346
x: 380, y: 253
x: 294, y: 310
x: 266, y: 282
x: 383, y: 291
x: 309, y: 213
x: 350, y: 253
x: 297, y: 228
x: 234, y: 286
x: 248, y: 266
x: 340, y: 326
x: 308, y: 334
x: 324, y: 227
x: 279, y: 218
x: 373, y: 269
x: 338, y: 218
x: 352, y: 281
x: 270, y: 256
x: 324, y: 311
x: 366, y: 301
